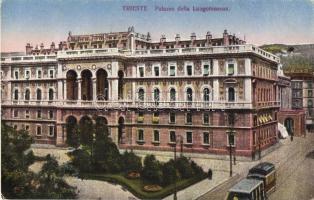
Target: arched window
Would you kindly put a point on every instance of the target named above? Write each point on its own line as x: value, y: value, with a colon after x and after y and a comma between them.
x: 102, y: 85
x: 72, y: 85
x: 51, y: 94
x: 231, y: 94
x: 172, y: 94
x: 38, y: 94
x: 27, y: 95
x: 156, y: 95
x: 87, y: 85
x: 141, y: 94
x: 16, y: 94
x: 206, y: 94
x: 189, y: 94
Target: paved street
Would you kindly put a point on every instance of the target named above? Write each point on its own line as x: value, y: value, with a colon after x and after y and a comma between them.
x: 295, y: 171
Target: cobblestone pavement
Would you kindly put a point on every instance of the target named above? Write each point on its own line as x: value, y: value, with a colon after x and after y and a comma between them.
x: 287, y: 159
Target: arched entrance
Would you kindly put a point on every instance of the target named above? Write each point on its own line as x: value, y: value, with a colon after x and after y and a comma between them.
x: 72, y: 86
x: 87, y: 85
x: 121, y: 130
x: 72, y: 137
x: 86, y: 135
x: 289, y: 124
x: 102, y: 85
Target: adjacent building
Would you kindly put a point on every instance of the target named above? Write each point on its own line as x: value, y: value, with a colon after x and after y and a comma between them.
x: 151, y: 94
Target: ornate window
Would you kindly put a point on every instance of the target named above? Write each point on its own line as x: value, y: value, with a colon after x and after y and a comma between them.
x: 206, y: 138
x: 16, y: 94
x: 231, y: 94
x: 27, y: 95
x: 51, y: 95
x: 141, y: 94
x: 38, y: 94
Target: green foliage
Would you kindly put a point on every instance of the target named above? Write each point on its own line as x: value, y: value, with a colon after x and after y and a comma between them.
x: 81, y: 160
x: 131, y: 162
x: 17, y: 182
x: 86, y: 128
x: 169, y: 172
x: 184, y: 167
x: 152, y: 170
x: 197, y: 169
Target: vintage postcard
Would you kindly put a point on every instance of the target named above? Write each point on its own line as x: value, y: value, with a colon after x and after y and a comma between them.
x: 137, y: 99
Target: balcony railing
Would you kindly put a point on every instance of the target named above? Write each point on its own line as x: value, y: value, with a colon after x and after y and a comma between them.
x: 232, y: 49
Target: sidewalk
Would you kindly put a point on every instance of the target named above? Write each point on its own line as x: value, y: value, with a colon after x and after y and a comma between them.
x: 202, y: 187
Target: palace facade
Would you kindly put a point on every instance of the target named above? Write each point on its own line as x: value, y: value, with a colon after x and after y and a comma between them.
x: 151, y: 94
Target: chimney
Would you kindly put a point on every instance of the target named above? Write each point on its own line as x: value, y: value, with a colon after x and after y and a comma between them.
x: 52, y: 46
x: 29, y: 49
x: 41, y: 46
x: 163, y: 39
x: 148, y: 37
x: 208, y: 37
x: 193, y: 36
x: 177, y: 38
x: 225, y: 38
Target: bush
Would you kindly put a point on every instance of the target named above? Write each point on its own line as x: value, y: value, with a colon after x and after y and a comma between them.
x: 131, y: 162
x: 30, y: 158
x: 152, y: 170
x: 81, y: 160
x: 69, y: 169
x: 184, y: 167
x: 197, y: 169
x: 169, y: 173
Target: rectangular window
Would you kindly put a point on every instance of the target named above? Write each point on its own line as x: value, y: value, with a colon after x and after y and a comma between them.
x: 310, y: 93
x: 172, y: 118
x: 140, y: 118
x: 230, y: 69
x: 205, y: 118
x: 156, y: 71
x: 189, y: 138
x: 140, y: 135
x: 172, y: 71
x: 156, y: 136
x: 26, y: 114
x: 205, y: 70
x: 38, y: 114
x: 99, y: 46
x: 50, y: 114
x: 141, y: 71
x: 172, y: 136
x: 16, y: 75
x: 38, y: 130
x: 189, y: 118
x: 51, y: 131
x: 15, y: 113
x: 230, y: 139
x: 51, y: 73
x: 206, y: 138
x: 38, y: 73
x: 27, y: 127
x: 189, y: 70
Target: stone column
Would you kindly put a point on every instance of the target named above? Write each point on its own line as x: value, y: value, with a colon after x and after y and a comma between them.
x: 216, y: 89
x: 64, y: 90
x: 248, y: 67
x: 79, y: 94
x: 59, y: 90
x: 94, y: 90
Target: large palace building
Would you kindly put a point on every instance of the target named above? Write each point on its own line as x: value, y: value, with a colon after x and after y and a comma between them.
x: 151, y: 94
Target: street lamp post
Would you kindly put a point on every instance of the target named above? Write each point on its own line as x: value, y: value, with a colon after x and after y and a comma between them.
x: 175, y: 159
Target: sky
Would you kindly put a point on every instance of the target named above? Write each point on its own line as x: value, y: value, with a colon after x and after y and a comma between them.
x: 258, y: 21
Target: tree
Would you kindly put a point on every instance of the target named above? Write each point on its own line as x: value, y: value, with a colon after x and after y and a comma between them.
x: 81, y: 160
x: 184, y: 167
x: 86, y: 131
x: 16, y: 181
x: 152, y: 170
x: 72, y: 131
x: 131, y: 162
x: 169, y: 172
